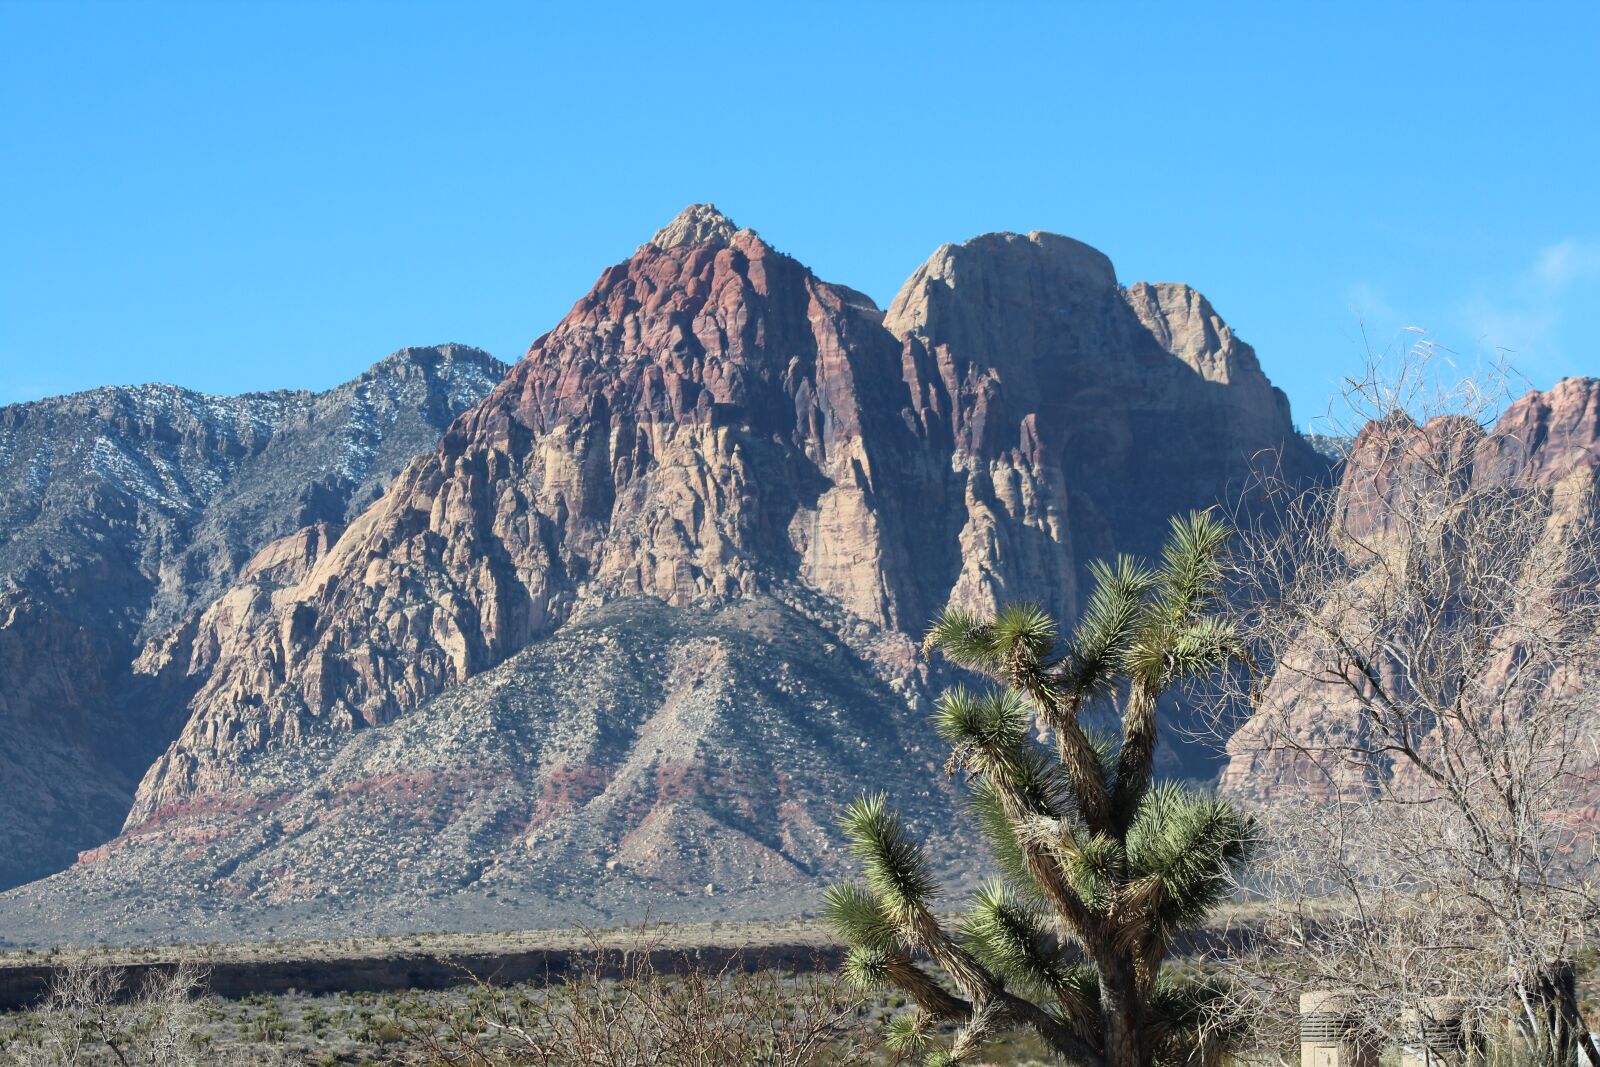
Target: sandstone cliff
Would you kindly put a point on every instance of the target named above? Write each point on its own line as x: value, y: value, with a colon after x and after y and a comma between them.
x: 1075, y: 414
x: 712, y: 421
x: 647, y: 615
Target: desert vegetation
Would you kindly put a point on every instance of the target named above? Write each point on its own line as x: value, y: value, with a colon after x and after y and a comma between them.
x: 90, y: 1017
x: 1413, y: 646
x: 1101, y: 867
x: 1402, y: 664
x: 620, y: 1007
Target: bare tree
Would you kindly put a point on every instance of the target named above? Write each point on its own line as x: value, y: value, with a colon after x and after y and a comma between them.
x: 90, y: 1018
x: 1422, y: 724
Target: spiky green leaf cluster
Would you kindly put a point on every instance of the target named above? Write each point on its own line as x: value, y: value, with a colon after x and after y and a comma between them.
x: 866, y: 968
x: 857, y: 915
x: 895, y: 866
x: 1007, y: 933
x: 909, y: 1035
x: 989, y: 809
x: 1019, y: 634
x: 1184, y: 848
x: 1191, y: 564
x: 1024, y: 632
x: 1101, y: 639
x: 1175, y: 638
x: 965, y: 639
x: 994, y: 724
x: 1095, y: 870
x: 1201, y: 646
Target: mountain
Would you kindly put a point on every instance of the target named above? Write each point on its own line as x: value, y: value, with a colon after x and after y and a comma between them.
x: 129, y: 509
x: 647, y: 616
x: 1544, y: 452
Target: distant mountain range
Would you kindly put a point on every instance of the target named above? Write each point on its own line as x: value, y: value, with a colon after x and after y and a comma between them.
x: 125, y: 512
x: 618, y: 628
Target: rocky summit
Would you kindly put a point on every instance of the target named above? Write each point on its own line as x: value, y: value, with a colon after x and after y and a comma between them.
x: 646, y: 617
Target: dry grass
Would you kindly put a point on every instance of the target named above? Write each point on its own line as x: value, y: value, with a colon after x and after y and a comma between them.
x: 619, y: 1009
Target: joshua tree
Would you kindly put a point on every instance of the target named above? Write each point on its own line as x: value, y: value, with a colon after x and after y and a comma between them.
x: 1100, y: 866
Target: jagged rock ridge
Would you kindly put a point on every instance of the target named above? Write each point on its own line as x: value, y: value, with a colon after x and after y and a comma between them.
x: 1545, y: 447
x: 713, y: 420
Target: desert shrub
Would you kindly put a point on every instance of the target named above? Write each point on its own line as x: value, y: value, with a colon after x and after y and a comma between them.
x: 89, y: 1017
x: 642, y: 1005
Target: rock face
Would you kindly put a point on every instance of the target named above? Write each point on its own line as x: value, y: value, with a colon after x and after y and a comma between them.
x: 1546, y: 442
x: 1076, y: 416
x: 702, y: 420
x: 731, y: 495
x: 1547, y: 437
x: 126, y: 511
x: 616, y: 768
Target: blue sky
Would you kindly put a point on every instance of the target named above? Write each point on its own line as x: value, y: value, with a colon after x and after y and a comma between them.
x: 236, y: 196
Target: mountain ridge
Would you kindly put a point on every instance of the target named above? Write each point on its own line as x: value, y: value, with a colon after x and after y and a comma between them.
x: 131, y: 507
x: 711, y: 433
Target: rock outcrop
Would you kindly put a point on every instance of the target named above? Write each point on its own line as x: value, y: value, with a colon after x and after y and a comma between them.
x: 712, y: 421
x: 1076, y: 415
x: 1545, y: 447
x: 612, y: 770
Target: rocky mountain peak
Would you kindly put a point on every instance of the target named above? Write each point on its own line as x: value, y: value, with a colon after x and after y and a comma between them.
x: 129, y: 509
x: 1187, y: 326
x: 447, y: 355
x: 697, y: 224
x: 1017, y: 266
x: 1554, y: 432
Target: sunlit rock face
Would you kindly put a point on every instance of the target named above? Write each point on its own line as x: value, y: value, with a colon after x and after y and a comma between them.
x: 127, y: 510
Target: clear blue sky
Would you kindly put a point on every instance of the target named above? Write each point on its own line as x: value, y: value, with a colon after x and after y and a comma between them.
x: 236, y: 196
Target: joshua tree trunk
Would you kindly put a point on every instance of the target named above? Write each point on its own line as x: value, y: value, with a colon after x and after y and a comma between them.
x: 1124, y: 1015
